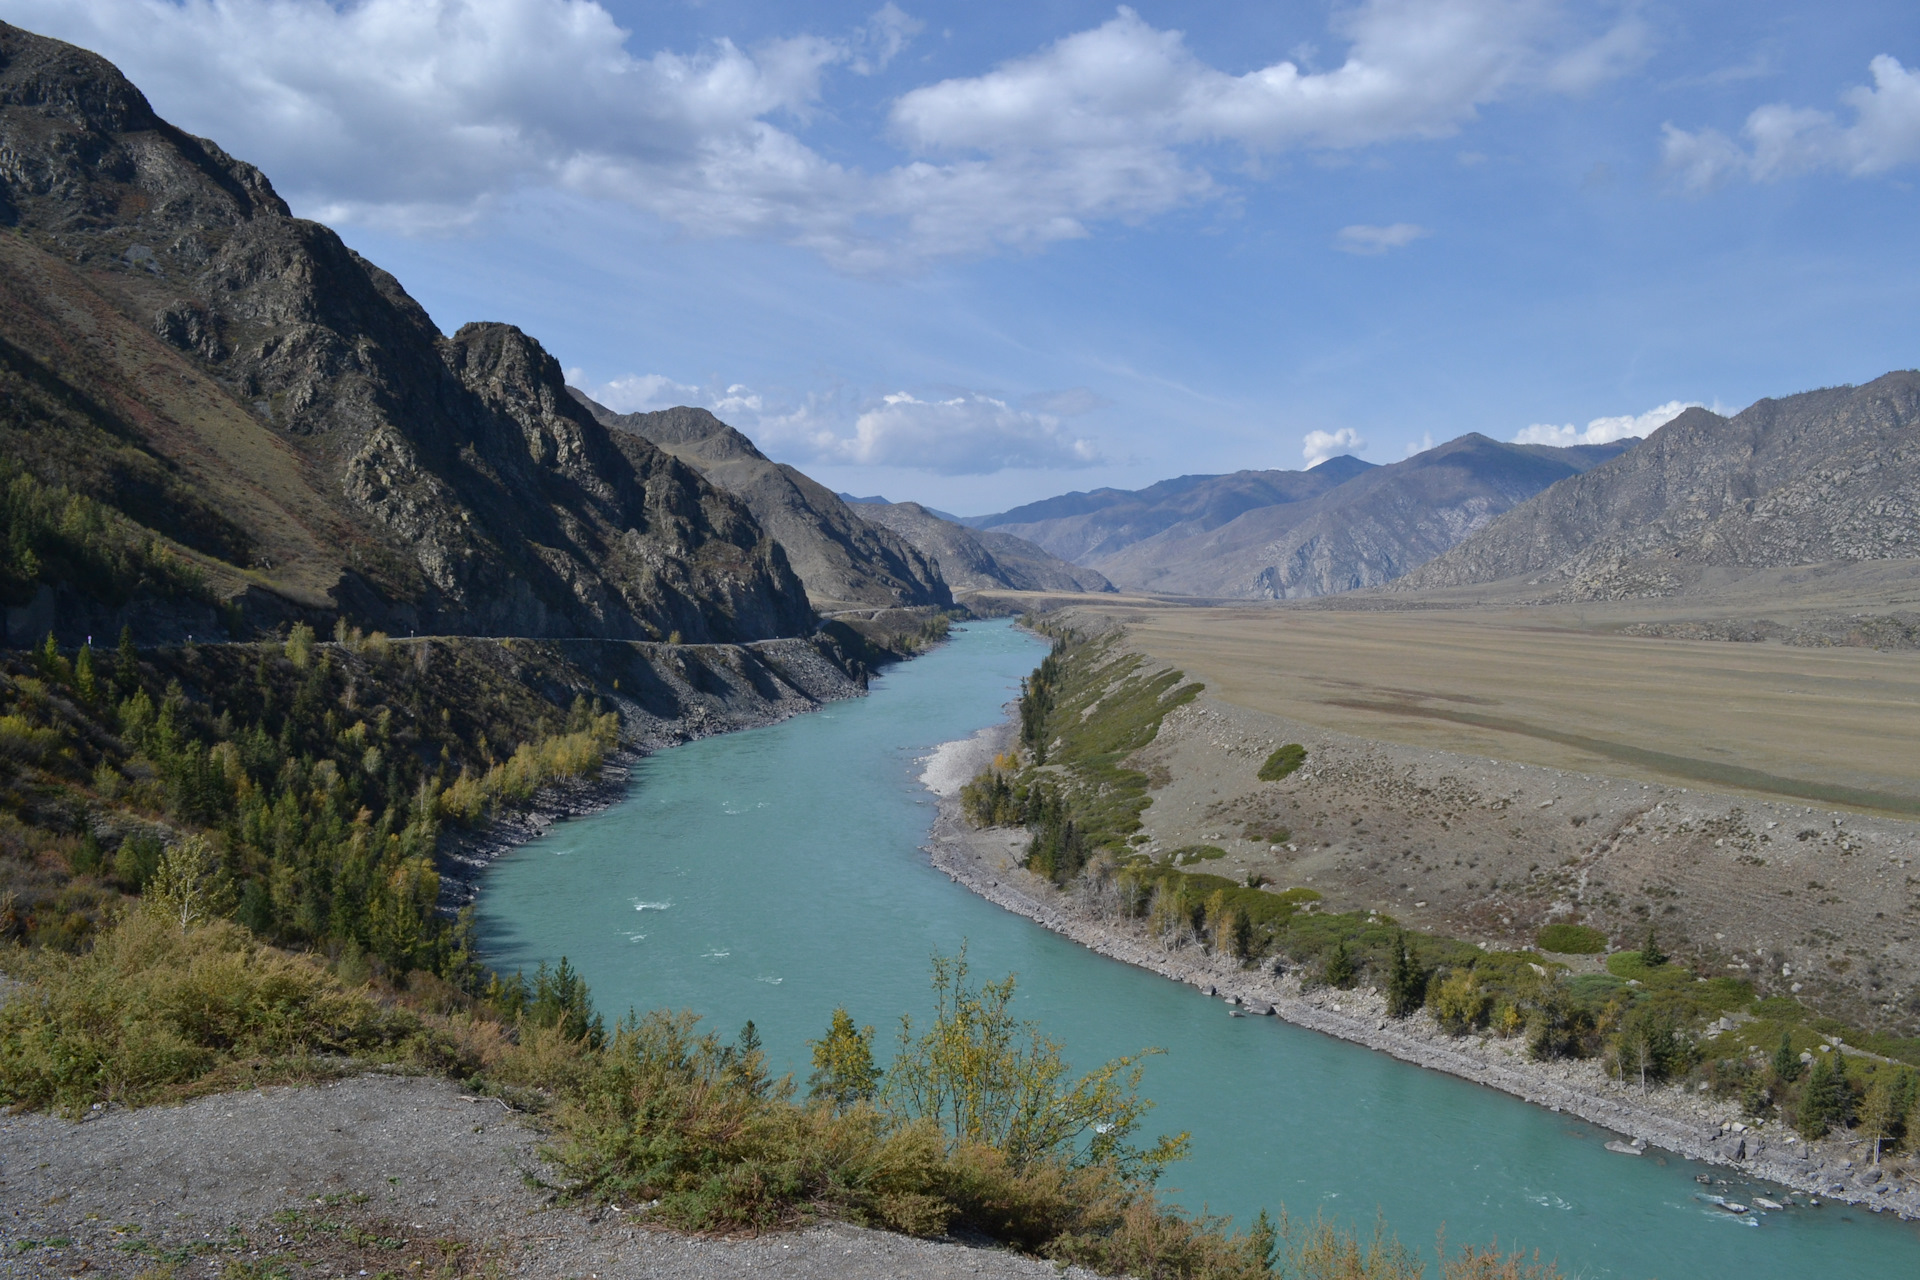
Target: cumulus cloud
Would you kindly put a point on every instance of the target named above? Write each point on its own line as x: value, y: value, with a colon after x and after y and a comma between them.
x: 1366, y: 240
x: 1317, y: 446
x: 1782, y: 141
x: 969, y: 434
x: 1628, y: 426
x: 420, y: 113
x: 636, y: 392
x: 1424, y: 443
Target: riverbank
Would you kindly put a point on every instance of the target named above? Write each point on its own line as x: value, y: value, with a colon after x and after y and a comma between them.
x: 1691, y: 1125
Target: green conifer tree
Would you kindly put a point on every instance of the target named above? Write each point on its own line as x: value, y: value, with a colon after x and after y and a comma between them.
x: 1340, y: 967
x: 1819, y: 1101
x: 126, y: 665
x: 1406, y: 982
x: 1786, y: 1063
x: 1650, y: 954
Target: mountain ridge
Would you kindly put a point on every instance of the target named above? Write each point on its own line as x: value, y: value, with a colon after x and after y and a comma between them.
x: 174, y: 338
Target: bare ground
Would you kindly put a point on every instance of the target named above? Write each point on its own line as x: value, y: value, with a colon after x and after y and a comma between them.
x: 374, y: 1175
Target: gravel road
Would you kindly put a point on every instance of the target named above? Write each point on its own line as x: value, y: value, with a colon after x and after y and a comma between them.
x: 370, y: 1175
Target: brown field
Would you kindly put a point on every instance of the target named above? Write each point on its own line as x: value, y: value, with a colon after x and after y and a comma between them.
x: 1560, y: 686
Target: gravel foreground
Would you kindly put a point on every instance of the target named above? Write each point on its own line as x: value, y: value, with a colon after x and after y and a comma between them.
x: 371, y: 1175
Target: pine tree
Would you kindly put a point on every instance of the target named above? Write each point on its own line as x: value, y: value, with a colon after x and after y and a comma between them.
x: 1786, y: 1063
x: 84, y: 682
x: 843, y: 1070
x: 126, y: 665
x: 1819, y: 1101
x: 1406, y: 983
x: 1340, y: 967
x: 1650, y: 954
x: 1883, y: 1118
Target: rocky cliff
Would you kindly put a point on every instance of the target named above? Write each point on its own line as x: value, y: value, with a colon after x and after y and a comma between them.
x: 253, y: 405
x: 845, y: 562
x: 1830, y: 475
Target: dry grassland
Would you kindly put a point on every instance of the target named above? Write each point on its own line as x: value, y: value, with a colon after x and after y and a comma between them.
x: 1558, y: 686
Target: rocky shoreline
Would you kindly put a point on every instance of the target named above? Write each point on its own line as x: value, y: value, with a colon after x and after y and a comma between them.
x: 1689, y: 1125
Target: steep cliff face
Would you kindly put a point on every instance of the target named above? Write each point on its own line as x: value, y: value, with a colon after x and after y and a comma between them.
x: 170, y: 337
x: 845, y: 561
x: 1830, y: 475
x: 982, y: 559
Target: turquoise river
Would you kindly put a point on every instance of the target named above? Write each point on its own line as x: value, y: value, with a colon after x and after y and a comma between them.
x: 777, y: 873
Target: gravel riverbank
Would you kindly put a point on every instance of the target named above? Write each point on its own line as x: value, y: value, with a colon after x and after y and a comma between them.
x: 1669, y: 1118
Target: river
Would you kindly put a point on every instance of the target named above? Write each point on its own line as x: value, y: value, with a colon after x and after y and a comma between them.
x: 776, y: 873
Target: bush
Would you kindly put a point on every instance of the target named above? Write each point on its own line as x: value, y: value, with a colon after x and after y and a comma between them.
x: 1460, y: 1004
x: 1282, y: 762
x: 153, y: 1009
x: 1571, y: 940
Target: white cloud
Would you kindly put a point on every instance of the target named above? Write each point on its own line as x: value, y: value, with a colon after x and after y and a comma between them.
x: 636, y: 392
x: 969, y: 434
x: 1606, y: 430
x: 1317, y: 446
x: 1366, y: 240
x: 1424, y: 443
x: 419, y: 114
x: 1783, y: 141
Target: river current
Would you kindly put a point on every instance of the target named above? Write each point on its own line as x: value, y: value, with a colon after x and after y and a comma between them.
x: 775, y: 874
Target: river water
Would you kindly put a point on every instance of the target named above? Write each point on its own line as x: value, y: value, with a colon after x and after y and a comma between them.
x: 776, y: 873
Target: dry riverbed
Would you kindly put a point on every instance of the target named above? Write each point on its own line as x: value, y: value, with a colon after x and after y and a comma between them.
x: 1673, y: 1119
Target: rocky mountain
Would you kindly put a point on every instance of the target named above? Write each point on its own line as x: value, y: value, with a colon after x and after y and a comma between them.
x: 1087, y: 527
x: 844, y: 561
x: 256, y: 423
x: 1369, y: 530
x: 981, y: 559
x: 1829, y: 475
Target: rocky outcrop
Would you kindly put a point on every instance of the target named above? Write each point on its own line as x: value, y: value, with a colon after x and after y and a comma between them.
x: 844, y: 561
x: 983, y: 559
x: 1830, y: 475
x: 167, y: 323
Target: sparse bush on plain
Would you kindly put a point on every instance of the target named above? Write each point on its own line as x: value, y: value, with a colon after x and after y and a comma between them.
x: 1283, y: 762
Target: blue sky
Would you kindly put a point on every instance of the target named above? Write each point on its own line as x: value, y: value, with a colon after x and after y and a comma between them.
x: 976, y: 254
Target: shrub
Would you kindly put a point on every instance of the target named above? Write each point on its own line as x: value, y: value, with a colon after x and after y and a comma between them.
x: 152, y: 1009
x: 1283, y: 762
x: 1571, y: 940
x: 1460, y: 1003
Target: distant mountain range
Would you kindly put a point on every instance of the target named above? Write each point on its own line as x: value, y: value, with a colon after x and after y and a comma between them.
x: 1829, y: 475
x: 1342, y: 525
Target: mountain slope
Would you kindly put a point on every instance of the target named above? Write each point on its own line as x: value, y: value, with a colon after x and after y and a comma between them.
x: 981, y: 560
x: 1829, y: 475
x: 1364, y: 532
x: 844, y: 561
x: 1085, y: 527
x: 246, y: 396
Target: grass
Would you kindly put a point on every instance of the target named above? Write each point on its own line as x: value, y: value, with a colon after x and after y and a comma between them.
x: 1571, y: 940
